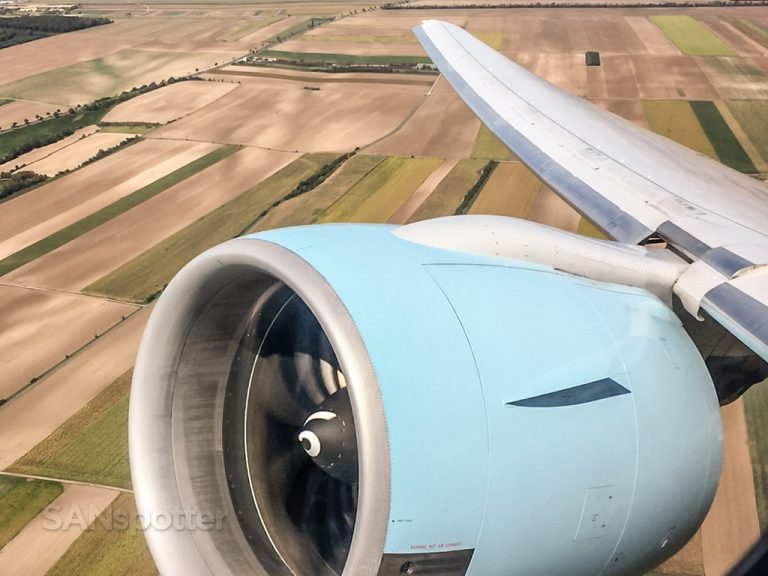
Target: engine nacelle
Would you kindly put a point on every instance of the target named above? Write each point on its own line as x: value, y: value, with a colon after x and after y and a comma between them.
x: 344, y: 401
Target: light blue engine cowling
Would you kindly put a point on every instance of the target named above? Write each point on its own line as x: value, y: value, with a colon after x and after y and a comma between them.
x: 509, y: 419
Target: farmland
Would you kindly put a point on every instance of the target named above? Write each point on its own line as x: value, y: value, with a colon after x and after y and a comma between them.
x: 20, y: 501
x: 248, y: 148
x: 91, y: 446
x: 146, y: 275
x: 104, y: 550
x: 691, y: 37
x: 380, y: 193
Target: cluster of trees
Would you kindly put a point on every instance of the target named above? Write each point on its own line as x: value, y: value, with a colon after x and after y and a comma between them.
x: 472, y: 193
x: 11, y: 183
x: 19, y: 29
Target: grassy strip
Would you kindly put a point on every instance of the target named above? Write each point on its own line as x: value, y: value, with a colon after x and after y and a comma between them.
x: 297, y: 29
x: 450, y: 192
x: 323, y: 58
x: 303, y: 187
x: 114, y: 210
x: 726, y: 145
x: 377, y: 196
x: 472, y: 193
x: 20, y: 501
x: 141, y: 279
x: 756, y: 413
x: 307, y: 208
x: 691, y: 37
x: 92, y: 446
x: 114, y: 545
x: 488, y: 146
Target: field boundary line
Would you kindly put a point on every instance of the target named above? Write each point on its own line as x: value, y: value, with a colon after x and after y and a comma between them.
x: 65, y: 481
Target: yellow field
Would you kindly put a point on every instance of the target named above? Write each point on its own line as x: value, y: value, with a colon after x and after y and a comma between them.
x: 511, y: 191
x: 450, y: 192
x: 489, y: 147
x: 493, y: 39
x: 306, y: 208
x: 675, y: 120
x: 377, y: 196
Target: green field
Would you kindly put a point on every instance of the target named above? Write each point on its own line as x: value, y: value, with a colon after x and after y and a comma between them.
x: 692, y: 37
x: 449, y: 193
x: 756, y: 412
x: 752, y: 116
x: 307, y: 208
x: 113, y: 546
x: 379, y: 194
x: 727, y: 147
x: 323, y: 58
x: 92, y: 446
x: 676, y: 120
x: 43, y: 132
x: 142, y: 278
x: 489, y: 147
x: 114, y: 210
x: 20, y: 501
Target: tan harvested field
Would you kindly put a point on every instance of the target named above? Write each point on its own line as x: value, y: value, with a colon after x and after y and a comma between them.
x: 732, y: 524
x: 37, y: 547
x: 70, y: 157
x: 46, y: 209
x: 736, y: 78
x: 283, y: 116
x: 678, y: 77
x: 512, y: 190
x: 93, y: 255
x: 631, y: 110
x: 548, y: 208
x: 651, y: 36
x: 45, y: 151
x: 615, y: 79
x: 39, y: 328
x: 49, y: 54
x: 410, y: 206
x: 21, y: 109
x: 38, y: 411
x: 356, y: 48
x: 443, y: 126
x: 123, y: 70
x: 169, y: 103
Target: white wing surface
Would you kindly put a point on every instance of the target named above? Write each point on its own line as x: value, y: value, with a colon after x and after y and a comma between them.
x: 631, y: 183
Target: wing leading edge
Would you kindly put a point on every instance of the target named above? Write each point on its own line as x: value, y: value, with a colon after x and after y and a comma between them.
x: 631, y: 183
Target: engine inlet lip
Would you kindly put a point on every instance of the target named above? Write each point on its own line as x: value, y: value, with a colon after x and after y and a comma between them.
x: 151, y: 450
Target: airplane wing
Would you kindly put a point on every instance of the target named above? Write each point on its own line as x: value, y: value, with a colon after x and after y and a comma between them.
x: 629, y: 182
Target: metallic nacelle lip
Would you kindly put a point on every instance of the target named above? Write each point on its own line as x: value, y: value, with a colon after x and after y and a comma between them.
x: 150, y: 445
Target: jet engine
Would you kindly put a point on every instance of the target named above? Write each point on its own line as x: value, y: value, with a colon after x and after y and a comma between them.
x: 350, y: 400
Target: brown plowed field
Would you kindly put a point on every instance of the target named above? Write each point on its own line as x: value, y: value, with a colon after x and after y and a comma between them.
x: 169, y: 103
x: 284, y: 116
x: 443, y: 127
x: 38, y: 328
x: 98, y: 252
x: 45, y: 210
